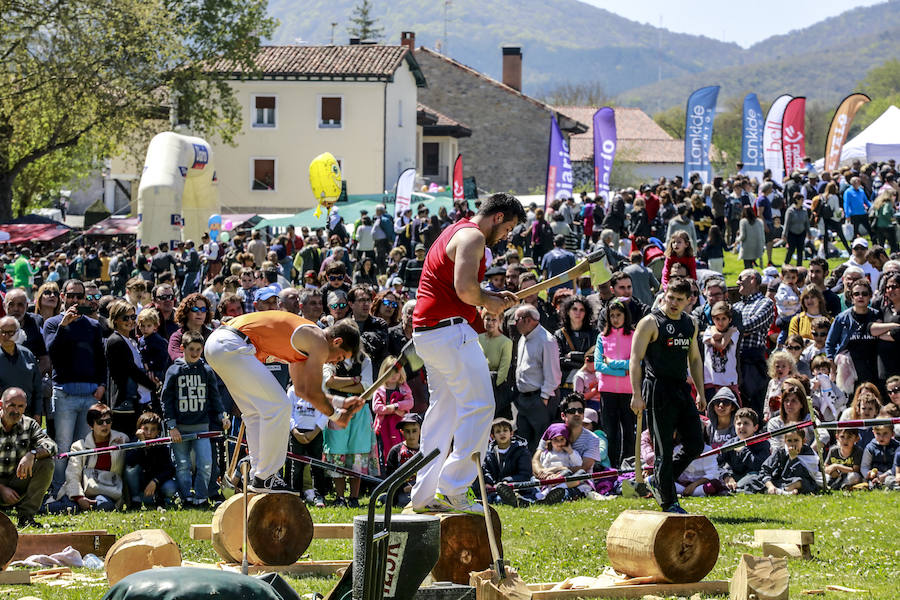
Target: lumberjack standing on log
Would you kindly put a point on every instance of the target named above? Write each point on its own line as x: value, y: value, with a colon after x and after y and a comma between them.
x: 462, y: 404
x: 664, y: 344
x: 238, y: 353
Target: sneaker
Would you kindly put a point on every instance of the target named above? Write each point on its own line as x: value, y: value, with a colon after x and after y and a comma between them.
x: 628, y: 490
x: 507, y: 494
x: 319, y: 501
x: 461, y: 503
x: 353, y: 502
x: 654, y: 490
x: 271, y: 485
x: 554, y: 496
x: 676, y: 509
x: 24, y: 522
x: 309, y: 496
x: 431, y: 507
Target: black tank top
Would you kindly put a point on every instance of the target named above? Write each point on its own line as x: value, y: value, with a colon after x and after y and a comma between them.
x: 666, y: 357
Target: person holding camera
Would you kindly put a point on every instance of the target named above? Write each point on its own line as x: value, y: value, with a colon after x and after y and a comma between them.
x: 75, y: 343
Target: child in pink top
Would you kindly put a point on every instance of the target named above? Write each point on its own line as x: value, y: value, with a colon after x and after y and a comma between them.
x: 391, y: 402
x: 679, y: 250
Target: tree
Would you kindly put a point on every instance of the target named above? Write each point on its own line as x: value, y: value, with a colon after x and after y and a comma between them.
x: 80, y: 77
x: 365, y: 26
x: 589, y: 93
x: 672, y: 121
x: 882, y: 85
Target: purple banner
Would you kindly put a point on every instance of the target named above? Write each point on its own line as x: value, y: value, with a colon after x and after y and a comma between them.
x: 604, y: 149
x: 559, y: 167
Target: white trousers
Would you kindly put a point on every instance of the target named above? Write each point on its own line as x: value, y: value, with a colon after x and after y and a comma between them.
x: 461, y: 410
x: 265, y: 407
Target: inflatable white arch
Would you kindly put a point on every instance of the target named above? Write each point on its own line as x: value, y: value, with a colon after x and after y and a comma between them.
x: 177, y: 193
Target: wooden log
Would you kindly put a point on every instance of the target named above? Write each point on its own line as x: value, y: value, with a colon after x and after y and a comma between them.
x: 312, y: 568
x: 226, y: 531
x: 464, y: 546
x: 279, y: 529
x: 140, y: 550
x: 15, y: 577
x: 760, y: 577
x: 86, y: 542
x: 9, y: 540
x: 200, y: 531
x: 321, y: 531
x: 800, y: 537
x: 669, y: 548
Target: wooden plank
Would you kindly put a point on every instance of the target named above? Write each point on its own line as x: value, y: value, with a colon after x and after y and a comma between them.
x: 201, y: 531
x: 313, y: 567
x: 333, y: 531
x: 714, y: 586
x: 86, y: 542
x: 781, y: 550
x: 799, y: 537
x: 15, y: 577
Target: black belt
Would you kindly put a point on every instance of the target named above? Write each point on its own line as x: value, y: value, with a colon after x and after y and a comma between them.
x: 440, y: 324
x: 236, y: 332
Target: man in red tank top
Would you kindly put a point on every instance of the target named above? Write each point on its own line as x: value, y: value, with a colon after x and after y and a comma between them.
x: 462, y: 397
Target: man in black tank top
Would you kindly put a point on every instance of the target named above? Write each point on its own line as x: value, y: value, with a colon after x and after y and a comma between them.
x: 663, y: 349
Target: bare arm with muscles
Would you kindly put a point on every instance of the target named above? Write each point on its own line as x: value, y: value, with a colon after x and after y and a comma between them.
x: 645, y: 333
x: 695, y: 364
x: 466, y: 249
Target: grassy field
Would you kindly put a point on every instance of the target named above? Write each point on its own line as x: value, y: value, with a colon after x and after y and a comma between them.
x: 856, y: 539
x: 733, y: 265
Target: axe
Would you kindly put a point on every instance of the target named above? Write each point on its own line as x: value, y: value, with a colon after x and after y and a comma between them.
x: 595, y: 263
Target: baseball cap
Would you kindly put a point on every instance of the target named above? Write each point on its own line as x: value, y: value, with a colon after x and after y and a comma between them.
x: 408, y: 418
x: 590, y: 416
x: 860, y: 242
x: 267, y: 292
x: 396, y: 281
x: 420, y: 247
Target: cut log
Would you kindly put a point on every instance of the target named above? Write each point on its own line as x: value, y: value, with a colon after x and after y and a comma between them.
x: 782, y: 550
x: 464, y: 546
x: 9, y: 539
x: 669, y: 548
x: 760, y: 577
x: 141, y: 550
x: 94, y: 542
x: 227, y: 534
x: 200, y: 531
x: 279, y: 529
x: 800, y: 537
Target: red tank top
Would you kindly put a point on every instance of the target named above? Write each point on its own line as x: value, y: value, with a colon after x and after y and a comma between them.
x: 436, y: 298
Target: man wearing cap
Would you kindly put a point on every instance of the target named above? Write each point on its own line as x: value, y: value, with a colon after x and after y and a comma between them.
x: 462, y: 402
x: 239, y: 352
x: 266, y: 298
x: 859, y: 249
x: 856, y: 207
x: 411, y: 270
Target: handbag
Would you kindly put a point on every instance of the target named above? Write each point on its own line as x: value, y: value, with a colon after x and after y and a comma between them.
x: 96, y: 482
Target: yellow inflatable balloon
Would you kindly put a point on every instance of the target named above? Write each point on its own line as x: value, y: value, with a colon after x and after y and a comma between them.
x: 325, y: 180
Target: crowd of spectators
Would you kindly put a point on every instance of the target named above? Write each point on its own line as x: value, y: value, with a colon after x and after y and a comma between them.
x: 103, y: 344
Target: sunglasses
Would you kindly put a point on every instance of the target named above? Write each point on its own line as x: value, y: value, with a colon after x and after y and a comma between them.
x: 75, y: 295
x: 128, y: 318
x: 890, y: 286
x: 8, y: 331
x: 794, y: 348
x: 861, y: 294
x: 390, y: 303
x: 165, y: 297
x: 822, y: 334
x: 50, y: 293
x: 895, y: 390
x: 335, y: 278
x: 199, y: 309
x: 574, y: 411
x: 338, y: 306
x: 93, y: 296
x: 106, y: 421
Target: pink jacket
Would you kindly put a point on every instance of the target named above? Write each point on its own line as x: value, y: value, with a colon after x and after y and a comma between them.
x: 385, y: 425
x: 613, y: 372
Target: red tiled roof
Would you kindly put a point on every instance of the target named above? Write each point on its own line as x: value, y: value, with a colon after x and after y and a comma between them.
x: 640, y: 139
x: 442, y: 119
x: 314, y: 62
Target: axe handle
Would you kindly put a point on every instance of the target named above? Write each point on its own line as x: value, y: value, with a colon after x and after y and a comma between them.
x: 580, y: 269
x: 638, y: 471
x: 401, y: 361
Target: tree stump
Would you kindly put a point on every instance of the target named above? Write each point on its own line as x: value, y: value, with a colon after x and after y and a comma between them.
x: 670, y: 548
x: 279, y: 529
x: 9, y: 540
x: 141, y: 550
x: 760, y: 577
x: 464, y: 546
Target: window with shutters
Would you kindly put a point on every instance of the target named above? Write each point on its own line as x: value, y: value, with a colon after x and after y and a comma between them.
x: 264, y: 111
x: 331, y: 112
x: 262, y: 174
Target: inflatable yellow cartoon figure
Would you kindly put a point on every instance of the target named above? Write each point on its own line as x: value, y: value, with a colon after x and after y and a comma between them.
x: 325, y: 180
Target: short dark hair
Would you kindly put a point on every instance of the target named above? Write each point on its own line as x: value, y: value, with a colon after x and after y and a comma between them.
x: 96, y: 411
x: 348, y: 332
x: 149, y: 418
x: 821, y: 262
x: 747, y: 413
x: 571, y: 398
x: 618, y: 276
x: 336, y: 267
x: 191, y: 337
x: 72, y: 281
x: 680, y: 285
x: 504, y: 203
x: 358, y: 290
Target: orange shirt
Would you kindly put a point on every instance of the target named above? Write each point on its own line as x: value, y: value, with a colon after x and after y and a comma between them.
x: 270, y: 332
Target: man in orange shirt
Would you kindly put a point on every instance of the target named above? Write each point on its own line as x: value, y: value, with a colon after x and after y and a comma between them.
x: 237, y: 353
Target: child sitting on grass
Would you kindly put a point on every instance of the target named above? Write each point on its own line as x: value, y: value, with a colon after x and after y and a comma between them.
x: 878, y: 460
x: 844, y: 460
x: 790, y: 470
x: 737, y: 466
x: 149, y: 473
x: 866, y: 404
x: 507, y: 461
x: 721, y: 411
x: 557, y: 458
x: 701, y: 477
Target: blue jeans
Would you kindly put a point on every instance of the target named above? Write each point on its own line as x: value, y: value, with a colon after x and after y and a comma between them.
x: 70, y: 418
x: 189, y: 283
x: 69, y: 505
x: 203, y: 468
x: 136, y: 484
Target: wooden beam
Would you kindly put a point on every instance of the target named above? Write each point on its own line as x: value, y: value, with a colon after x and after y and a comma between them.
x: 201, y: 531
x: 799, y: 537
x: 782, y: 550
x: 321, y: 531
x: 86, y: 542
x: 15, y: 577
x: 541, y: 591
x: 319, y: 568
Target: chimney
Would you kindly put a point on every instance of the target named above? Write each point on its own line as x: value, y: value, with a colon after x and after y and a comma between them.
x: 408, y: 39
x: 354, y: 41
x: 512, y: 67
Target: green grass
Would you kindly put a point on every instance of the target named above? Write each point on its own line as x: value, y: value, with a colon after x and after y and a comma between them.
x: 856, y: 539
x: 734, y: 265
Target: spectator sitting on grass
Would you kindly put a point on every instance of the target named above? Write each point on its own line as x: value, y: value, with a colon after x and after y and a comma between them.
x: 149, y: 472
x: 507, y: 461
x: 790, y: 469
x: 844, y: 460
x: 736, y: 466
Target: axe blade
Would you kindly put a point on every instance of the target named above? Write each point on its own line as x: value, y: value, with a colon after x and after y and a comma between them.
x: 599, y: 271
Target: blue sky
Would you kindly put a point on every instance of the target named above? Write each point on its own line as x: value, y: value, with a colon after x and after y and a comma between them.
x: 721, y: 20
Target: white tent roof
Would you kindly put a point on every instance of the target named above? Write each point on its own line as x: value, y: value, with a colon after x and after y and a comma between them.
x: 885, y: 130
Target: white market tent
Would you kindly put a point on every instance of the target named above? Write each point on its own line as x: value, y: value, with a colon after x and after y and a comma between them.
x: 878, y: 141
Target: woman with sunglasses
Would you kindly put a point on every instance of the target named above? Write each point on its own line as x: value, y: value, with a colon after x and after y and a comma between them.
x: 93, y: 481
x: 386, y: 305
x: 193, y: 314
x: 131, y: 388
x: 47, y: 302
